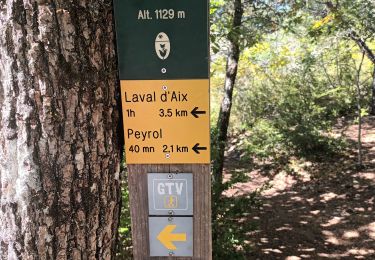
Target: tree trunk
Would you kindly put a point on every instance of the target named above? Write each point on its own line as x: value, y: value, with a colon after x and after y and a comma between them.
x: 372, y: 104
x: 59, y: 148
x: 359, y: 111
x: 226, y: 104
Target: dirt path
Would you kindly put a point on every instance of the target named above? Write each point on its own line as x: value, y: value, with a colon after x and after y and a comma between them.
x: 324, y: 211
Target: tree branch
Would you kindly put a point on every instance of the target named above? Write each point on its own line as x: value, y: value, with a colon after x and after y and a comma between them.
x: 363, y: 46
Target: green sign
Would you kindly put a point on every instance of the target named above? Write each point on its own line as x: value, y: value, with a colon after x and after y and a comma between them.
x: 162, y: 39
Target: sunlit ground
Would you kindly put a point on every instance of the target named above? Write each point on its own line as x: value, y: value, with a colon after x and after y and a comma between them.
x: 320, y: 210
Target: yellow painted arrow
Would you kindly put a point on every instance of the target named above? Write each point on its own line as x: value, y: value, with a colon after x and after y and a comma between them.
x: 166, y: 237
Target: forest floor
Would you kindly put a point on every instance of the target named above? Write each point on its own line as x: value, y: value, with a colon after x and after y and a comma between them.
x: 321, y: 209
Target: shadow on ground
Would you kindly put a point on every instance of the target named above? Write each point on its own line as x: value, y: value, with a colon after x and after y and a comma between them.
x: 323, y: 210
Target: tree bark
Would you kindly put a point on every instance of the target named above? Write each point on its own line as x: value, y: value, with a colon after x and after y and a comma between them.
x: 372, y: 102
x: 226, y: 104
x: 59, y: 148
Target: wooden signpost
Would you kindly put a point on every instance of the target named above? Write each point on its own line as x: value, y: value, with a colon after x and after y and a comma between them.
x: 164, y: 71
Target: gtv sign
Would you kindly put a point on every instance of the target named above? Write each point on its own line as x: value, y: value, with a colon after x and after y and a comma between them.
x: 170, y: 193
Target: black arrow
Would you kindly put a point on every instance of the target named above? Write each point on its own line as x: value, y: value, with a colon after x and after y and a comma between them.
x: 195, y: 112
x: 198, y: 148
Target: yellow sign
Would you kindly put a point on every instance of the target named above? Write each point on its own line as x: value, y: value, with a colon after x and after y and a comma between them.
x: 166, y: 121
x: 166, y: 237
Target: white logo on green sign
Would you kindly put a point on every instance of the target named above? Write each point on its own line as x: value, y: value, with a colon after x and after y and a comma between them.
x: 162, y: 46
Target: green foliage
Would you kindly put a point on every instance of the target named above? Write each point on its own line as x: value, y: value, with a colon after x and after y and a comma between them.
x: 264, y: 140
x: 124, y: 250
x: 231, y: 227
x: 229, y: 238
x: 343, y: 17
x: 259, y: 19
x: 291, y: 91
x: 231, y: 241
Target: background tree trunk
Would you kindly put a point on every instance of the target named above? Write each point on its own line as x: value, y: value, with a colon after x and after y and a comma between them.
x: 226, y: 104
x: 359, y: 111
x: 59, y: 148
x: 372, y: 104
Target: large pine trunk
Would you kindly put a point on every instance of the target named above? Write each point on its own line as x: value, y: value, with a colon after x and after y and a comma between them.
x: 59, y: 154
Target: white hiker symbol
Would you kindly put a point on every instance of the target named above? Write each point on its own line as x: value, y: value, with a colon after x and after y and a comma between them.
x: 162, y: 46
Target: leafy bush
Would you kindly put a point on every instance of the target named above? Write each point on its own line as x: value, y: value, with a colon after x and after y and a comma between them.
x: 264, y: 140
x: 124, y: 249
x: 230, y: 226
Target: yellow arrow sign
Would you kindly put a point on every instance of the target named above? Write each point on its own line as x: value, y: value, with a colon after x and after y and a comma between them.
x: 166, y: 237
